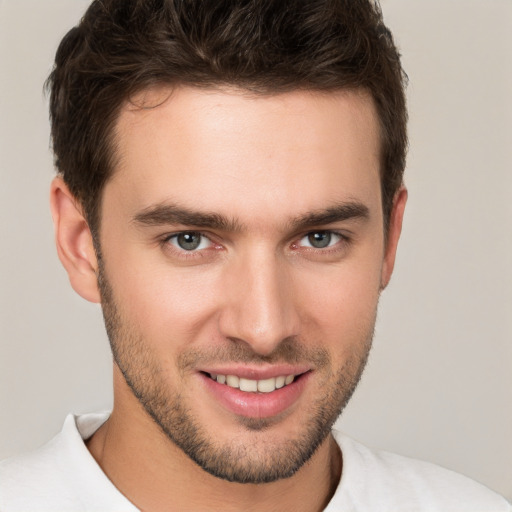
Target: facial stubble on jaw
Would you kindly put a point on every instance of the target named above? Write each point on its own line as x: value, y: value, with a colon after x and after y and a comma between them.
x: 234, y: 461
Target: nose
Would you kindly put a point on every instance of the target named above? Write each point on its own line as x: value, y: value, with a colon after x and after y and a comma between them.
x: 260, y: 304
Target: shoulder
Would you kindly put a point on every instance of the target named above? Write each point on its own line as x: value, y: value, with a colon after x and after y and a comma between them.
x: 378, y: 480
x: 61, y: 475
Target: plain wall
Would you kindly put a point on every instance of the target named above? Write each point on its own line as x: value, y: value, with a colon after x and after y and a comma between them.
x: 439, y: 382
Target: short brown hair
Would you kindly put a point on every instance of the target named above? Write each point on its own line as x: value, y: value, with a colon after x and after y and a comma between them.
x: 121, y: 47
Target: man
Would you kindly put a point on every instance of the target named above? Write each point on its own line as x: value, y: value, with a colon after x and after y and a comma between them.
x: 230, y: 189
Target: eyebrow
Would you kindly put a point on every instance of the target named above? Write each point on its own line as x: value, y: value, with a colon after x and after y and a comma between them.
x: 162, y: 214
x: 169, y: 214
x: 337, y: 213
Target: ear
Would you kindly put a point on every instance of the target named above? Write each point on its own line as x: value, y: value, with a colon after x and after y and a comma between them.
x: 74, y: 241
x: 394, y: 230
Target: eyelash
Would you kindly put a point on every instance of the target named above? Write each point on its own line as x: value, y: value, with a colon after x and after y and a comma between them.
x: 343, y: 239
x: 183, y: 253
x: 341, y: 244
x: 342, y: 236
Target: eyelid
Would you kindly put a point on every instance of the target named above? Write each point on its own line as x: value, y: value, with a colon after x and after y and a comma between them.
x: 169, y: 235
x: 166, y: 240
x: 204, y: 242
x: 332, y: 231
x: 344, y: 238
x: 335, y: 239
x: 340, y: 245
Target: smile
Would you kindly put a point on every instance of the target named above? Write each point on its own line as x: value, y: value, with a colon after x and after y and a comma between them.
x: 253, y: 386
x: 257, y: 392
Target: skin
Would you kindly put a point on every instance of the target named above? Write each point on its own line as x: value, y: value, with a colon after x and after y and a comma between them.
x: 252, y: 294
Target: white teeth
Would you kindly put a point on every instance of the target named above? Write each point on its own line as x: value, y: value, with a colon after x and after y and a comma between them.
x: 233, y: 381
x: 253, y: 386
x: 248, y: 385
x: 280, y: 382
x: 267, y: 385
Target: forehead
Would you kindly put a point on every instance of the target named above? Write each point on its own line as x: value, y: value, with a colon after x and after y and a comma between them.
x: 240, y: 154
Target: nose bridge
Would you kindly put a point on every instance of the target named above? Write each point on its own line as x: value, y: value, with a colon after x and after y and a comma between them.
x: 260, y: 309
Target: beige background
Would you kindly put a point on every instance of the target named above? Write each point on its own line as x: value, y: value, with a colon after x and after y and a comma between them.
x: 439, y: 382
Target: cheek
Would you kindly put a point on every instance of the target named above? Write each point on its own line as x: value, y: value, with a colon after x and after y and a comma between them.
x: 341, y: 304
x: 165, y: 304
x: 344, y: 300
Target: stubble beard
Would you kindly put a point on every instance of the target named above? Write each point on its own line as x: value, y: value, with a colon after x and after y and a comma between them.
x: 232, y: 461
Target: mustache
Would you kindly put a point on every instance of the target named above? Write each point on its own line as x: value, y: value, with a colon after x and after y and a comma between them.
x: 290, y: 351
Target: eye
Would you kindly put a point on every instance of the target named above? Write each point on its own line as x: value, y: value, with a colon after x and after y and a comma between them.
x: 190, y: 241
x: 320, y: 239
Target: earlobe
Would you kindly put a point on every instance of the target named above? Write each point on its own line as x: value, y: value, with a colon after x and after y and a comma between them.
x: 74, y: 241
x: 394, y: 230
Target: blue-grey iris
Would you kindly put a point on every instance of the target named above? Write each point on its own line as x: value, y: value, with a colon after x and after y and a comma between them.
x: 319, y: 239
x: 189, y: 240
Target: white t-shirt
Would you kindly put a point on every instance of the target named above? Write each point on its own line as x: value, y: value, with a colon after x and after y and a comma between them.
x: 62, y: 476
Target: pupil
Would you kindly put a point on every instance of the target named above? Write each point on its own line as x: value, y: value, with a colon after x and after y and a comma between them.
x: 320, y: 239
x: 189, y: 241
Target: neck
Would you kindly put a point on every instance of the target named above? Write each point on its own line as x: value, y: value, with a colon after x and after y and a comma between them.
x: 152, y: 472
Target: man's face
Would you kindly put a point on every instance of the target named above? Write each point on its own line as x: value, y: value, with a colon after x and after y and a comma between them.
x: 242, y: 259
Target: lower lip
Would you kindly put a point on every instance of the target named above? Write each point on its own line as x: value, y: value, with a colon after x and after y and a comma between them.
x: 256, y: 405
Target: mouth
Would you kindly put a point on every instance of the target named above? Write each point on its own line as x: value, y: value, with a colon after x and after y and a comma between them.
x: 254, y: 386
x: 263, y: 397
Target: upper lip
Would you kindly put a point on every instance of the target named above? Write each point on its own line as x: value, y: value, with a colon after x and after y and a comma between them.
x: 257, y: 372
